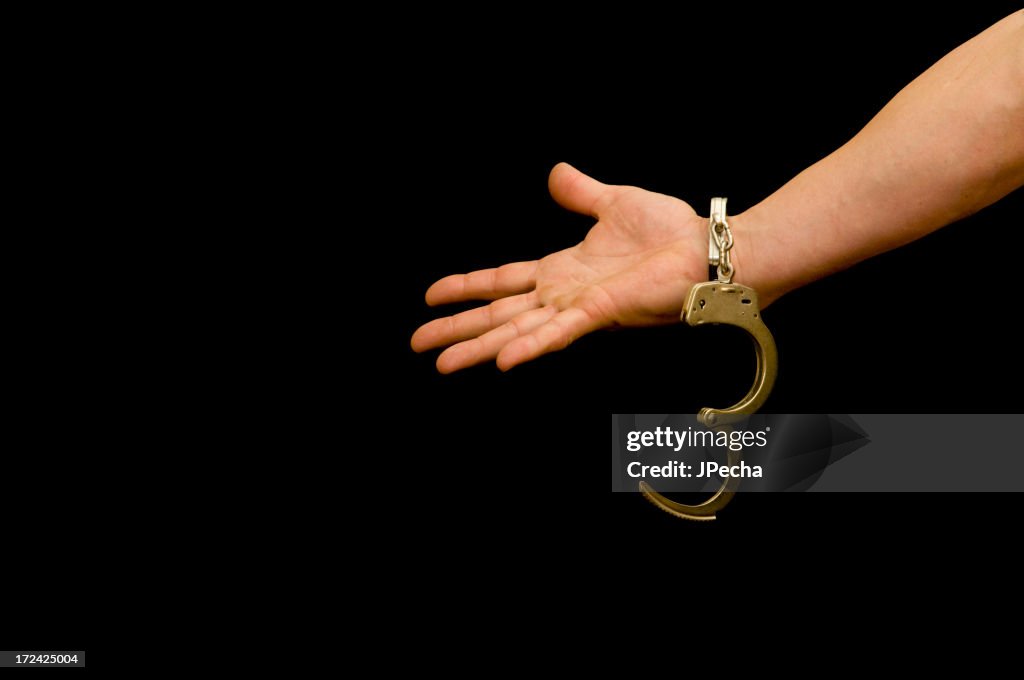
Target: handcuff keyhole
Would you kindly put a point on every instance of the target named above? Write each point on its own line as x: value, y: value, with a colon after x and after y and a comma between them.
x: 702, y: 304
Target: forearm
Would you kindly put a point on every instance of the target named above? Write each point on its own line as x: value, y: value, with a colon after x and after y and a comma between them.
x: 949, y: 144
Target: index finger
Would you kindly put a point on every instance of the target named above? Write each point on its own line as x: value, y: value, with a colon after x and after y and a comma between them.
x: 485, y: 284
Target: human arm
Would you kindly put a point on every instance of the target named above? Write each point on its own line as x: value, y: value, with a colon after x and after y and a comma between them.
x: 947, y: 145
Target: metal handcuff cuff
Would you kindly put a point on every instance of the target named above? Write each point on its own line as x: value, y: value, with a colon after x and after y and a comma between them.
x: 724, y: 302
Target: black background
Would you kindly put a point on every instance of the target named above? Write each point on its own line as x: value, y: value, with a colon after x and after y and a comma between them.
x: 670, y: 103
x: 469, y: 113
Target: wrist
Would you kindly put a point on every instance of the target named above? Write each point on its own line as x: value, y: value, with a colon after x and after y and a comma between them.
x: 756, y: 258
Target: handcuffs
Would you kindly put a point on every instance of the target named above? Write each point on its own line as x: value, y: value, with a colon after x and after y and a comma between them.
x: 723, y: 302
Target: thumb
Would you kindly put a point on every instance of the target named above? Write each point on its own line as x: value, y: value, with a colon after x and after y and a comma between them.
x: 576, y: 191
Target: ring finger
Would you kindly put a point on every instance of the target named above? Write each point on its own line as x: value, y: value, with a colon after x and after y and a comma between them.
x: 449, y: 329
x: 488, y: 345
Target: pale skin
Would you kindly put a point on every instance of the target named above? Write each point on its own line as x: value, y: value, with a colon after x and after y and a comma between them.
x: 949, y: 144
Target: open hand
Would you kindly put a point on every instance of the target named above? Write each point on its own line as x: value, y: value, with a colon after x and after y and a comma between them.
x: 634, y: 268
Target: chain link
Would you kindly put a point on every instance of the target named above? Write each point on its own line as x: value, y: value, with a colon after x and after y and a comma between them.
x: 722, y: 236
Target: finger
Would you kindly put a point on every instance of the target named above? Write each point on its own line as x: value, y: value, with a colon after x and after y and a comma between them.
x: 556, y: 334
x: 487, y: 346
x: 486, y: 284
x: 576, y: 191
x: 470, y: 324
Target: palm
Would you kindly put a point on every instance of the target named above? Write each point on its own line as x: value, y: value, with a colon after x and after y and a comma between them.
x: 634, y: 268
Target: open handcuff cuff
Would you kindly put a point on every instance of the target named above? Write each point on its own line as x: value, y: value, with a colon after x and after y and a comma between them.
x: 723, y: 302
